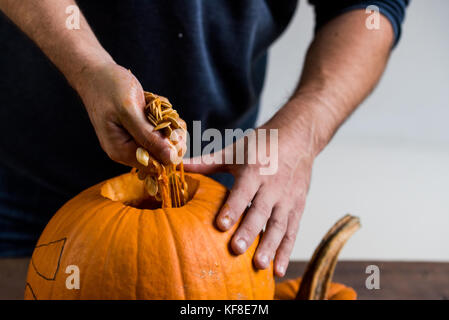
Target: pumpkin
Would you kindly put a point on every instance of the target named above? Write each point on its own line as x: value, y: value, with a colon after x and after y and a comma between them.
x: 288, y: 290
x: 126, y: 247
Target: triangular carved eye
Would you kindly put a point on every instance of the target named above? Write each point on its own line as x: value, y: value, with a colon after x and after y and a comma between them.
x: 46, y: 258
x: 29, y: 292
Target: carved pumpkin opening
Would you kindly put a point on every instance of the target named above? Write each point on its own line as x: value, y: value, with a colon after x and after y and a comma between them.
x: 131, y: 191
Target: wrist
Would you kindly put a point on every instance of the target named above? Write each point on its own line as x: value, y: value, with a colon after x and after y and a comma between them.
x: 307, y: 121
x: 319, y: 119
x: 87, y: 66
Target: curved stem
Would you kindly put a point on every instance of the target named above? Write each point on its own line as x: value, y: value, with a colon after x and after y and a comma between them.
x: 318, y: 275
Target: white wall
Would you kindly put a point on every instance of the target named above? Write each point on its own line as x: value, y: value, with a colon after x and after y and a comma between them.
x: 389, y: 164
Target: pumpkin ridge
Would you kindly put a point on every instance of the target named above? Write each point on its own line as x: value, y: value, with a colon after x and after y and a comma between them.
x: 59, y: 224
x: 201, y: 203
x: 92, y: 249
x: 101, y: 234
x: 139, y: 245
x: 122, y: 213
x: 73, y: 233
x: 223, y: 273
x: 63, y: 222
x: 178, y: 260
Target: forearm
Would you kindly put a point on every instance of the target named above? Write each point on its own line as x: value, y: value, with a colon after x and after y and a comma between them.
x: 44, y: 22
x: 343, y: 65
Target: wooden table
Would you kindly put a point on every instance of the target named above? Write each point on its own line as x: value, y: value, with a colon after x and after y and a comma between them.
x: 398, y: 280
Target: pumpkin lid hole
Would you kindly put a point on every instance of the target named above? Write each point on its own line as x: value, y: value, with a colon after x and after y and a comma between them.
x: 129, y: 190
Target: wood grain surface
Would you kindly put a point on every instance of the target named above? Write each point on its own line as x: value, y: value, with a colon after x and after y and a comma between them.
x: 398, y: 280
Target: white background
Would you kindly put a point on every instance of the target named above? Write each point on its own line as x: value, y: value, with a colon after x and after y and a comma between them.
x: 389, y: 163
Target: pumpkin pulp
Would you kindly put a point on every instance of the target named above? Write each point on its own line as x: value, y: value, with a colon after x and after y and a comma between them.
x: 165, y: 182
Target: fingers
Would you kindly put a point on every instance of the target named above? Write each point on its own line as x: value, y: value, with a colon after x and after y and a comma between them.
x: 201, y: 165
x: 132, y: 117
x: 152, y: 141
x: 211, y: 163
x: 241, y: 195
x: 272, y: 237
x: 254, y: 221
x: 121, y: 148
x: 285, y: 248
x: 178, y: 139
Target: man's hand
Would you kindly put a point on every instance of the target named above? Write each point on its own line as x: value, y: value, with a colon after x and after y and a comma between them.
x: 343, y: 65
x: 276, y: 201
x: 114, y: 99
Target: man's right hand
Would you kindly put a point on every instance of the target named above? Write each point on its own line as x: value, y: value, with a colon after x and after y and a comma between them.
x: 113, y: 97
x: 114, y: 100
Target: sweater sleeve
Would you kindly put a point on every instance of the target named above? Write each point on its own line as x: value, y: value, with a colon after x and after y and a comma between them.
x: 393, y: 10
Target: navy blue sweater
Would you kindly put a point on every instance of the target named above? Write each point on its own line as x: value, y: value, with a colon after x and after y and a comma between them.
x: 208, y: 57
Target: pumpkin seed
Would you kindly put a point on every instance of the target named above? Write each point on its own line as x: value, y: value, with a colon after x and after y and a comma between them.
x: 166, y: 111
x: 162, y: 125
x: 142, y: 156
x: 152, y: 119
x: 173, y: 121
x: 151, y: 185
x: 172, y: 190
x: 141, y: 175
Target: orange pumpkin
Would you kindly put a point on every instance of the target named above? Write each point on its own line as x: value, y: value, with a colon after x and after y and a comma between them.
x: 288, y: 290
x: 125, y: 251
x: 122, y: 249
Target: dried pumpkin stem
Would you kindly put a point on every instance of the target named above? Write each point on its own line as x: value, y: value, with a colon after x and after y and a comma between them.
x: 319, y: 271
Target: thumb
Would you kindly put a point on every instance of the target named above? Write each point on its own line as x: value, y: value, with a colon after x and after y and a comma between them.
x: 135, y: 122
x: 206, y: 164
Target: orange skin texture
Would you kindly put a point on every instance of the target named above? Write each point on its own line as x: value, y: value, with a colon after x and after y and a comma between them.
x: 288, y: 289
x: 124, y: 252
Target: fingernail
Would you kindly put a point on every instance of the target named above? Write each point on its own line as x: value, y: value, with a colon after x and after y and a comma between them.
x: 225, y: 223
x: 174, y: 137
x: 241, y: 245
x: 263, y: 260
x: 281, y: 270
x: 173, y: 154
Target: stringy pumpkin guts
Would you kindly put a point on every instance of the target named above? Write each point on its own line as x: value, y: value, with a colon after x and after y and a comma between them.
x: 164, y: 182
